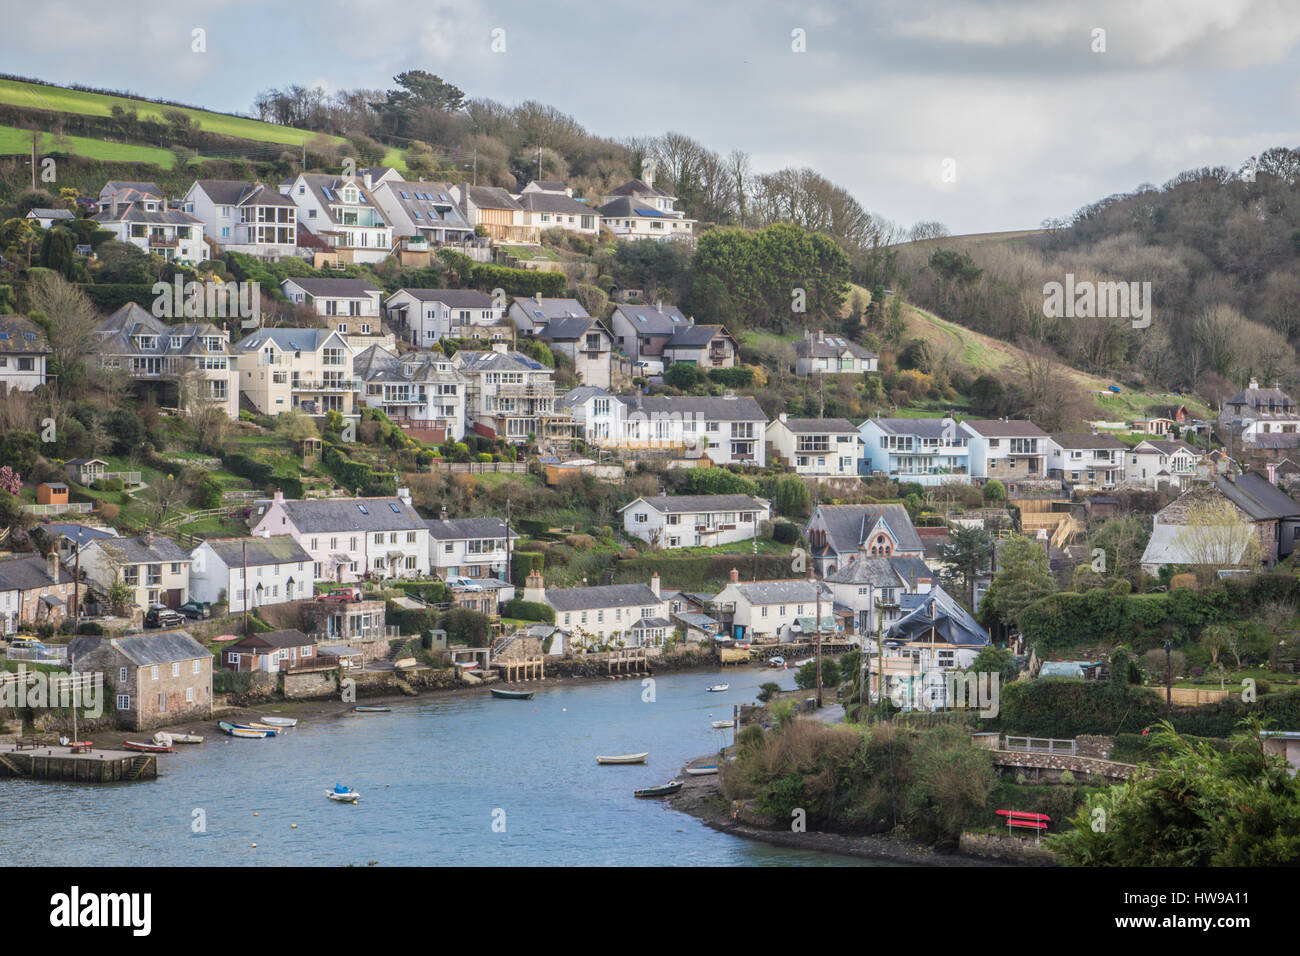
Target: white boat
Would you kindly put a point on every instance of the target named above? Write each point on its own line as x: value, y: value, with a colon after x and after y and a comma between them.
x: 343, y: 795
x: 723, y: 724
x: 281, y: 721
x: 718, y: 688
x: 187, y: 739
x: 701, y: 771
x: 806, y: 660
x: 624, y: 758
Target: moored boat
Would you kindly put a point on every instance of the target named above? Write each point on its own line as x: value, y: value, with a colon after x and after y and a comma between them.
x: 512, y: 694
x: 372, y: 709
x: 342, y: 794
x: 662, y: 790
x: 230, y: 730
x: 187, y: 738
x: 256, y: 725
x: 146, y: 748
x: 281, y: 721
x: 701, y: 771
x: 624, y: 758
x: 718, y: 688
x: 723, y: 724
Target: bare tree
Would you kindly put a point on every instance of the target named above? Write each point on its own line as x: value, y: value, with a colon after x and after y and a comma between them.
x: 70, y: 318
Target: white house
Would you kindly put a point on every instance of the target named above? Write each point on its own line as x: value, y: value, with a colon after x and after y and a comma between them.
x: 156, y: 569
x: 352, y: 538
x: 693, y: 521
x: 46, y: 218
x: 174, y: 235
x: 1086, y: 461
x: 343, y: 214
x: 550, y: 205
x: 1006, y: 448
x: 598, y: 414
x: 430, y: 315
x: 619, y: 615
x: 468, y: 547
x: 587, y: 345
x: 24, y: 350
x: 816, y: 447
x: 1154, y: 462
x: 251, y: 572
x: 783, y: 610
x: 423, y: 215
x: 418, y: 390
x: 511, y: 395
x: 1255, y: 412
x: 820, y: 354
x: 245, y: 217
x: 871, y: 586
x: 637, y: 210
x: 729, y: 430
x: 929, y: 451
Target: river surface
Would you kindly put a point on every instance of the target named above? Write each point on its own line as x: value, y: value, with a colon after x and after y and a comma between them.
x: 434, y: 775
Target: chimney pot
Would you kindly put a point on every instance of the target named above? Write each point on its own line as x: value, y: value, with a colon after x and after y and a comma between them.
x: 735, y: 576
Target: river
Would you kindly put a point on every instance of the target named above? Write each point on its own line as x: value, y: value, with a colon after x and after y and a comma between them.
x: 458, y: 780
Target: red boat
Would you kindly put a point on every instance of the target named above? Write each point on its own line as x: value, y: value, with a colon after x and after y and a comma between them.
x: 146, y: 748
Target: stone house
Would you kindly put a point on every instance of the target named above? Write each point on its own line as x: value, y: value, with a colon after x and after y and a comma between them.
x: 153, y: 679
x: 34, y: 589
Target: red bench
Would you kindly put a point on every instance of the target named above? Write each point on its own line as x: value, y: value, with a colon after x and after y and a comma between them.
x: 1031, y: 821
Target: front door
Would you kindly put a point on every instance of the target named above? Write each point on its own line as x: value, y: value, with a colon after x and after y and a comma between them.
x: 173, y: 600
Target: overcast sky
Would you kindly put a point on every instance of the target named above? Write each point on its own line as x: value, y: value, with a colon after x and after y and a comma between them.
x: 1034, y: 121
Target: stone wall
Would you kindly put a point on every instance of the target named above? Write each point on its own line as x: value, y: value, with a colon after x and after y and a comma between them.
x: 1094, y: 745
x: 313, y: 683
x: 1016, y: 849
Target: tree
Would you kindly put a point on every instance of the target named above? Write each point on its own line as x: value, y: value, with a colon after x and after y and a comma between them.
x: 1216, y: 535
x: 20, y: 450
x: 1123, y: 542
x: 1024, y: 575
x: 966, y: 556
x: 68, y: 317
x: 994, y: 491
x: 790, y: 497
x: 994, y: 660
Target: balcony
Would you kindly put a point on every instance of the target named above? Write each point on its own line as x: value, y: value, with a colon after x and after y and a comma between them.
x: 526, y: 391
x: 331, y: 385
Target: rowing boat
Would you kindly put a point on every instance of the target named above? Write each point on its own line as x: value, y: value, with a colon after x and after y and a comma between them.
x: 186, y: 739
x: 512, y: 694
x: 230, y: 730
x: 701, y: 771
x: 723, y: 724
x: 146, y: 748
x: 624, y: 758
x: 281, y: 721
x: 372, y: 710
x: 718, y: 688
x: 255, y: 725
x: 660, y: 791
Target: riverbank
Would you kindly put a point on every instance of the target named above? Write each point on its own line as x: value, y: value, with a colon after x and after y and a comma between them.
x: 701, y: 798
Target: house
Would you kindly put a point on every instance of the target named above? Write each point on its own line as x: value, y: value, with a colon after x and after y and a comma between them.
x: 839, y: 534
x: 155, y: 679
x: 510, y: 395
x: 156, y: 569
x: 68, y: 538
x: 245, y: 573
x: 587, y: 345
x: 816, y: 447
x: 423, y: 215
x: 598, y: 415
x: 870, y: 587
x: 350, y: 306
x: 621, y: 615
x: 174, y: 235
x: 704, y: 346
x: 694, y: 521
x: 34, y: 589
x: 270, y: 652
x: 244, y: 217
x: 497, y: 212
x: 1256, y: 412
x: 354, y: 538
x: 468, y: 547
x: 638, y: 210
x: 1153, y: 426
x: 430, y: 315
x: 191, y: 361
x: 343, y: 214
x: 1275, y: 515
x: 928, y: 451
x: 532, y: 315
x: 420, y: 391
x: 1006, y: 448
x: 770, y: 611
x: 1156, y: 462
x: 550, y: 205
x: 728, y: 430
x: 1086, y: 460
x: 24, y: 351
x: 125, y: 191
x: 292, y: 368
x: 47, y: 218
x: 934, y: 637
x: 642, y: 331
x: 821, y: 354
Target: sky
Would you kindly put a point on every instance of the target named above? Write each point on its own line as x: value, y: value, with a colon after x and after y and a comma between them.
x: 985, y: 115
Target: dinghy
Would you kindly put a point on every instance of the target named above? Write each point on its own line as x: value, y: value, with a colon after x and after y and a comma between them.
x: 660, y: 791
x: 718, y: 688
x: 723, y: 724
x: 186, y: 739
x: 281, y: 721
x: 146, y: 748
x: 255, y: 725
x: 230, y: 730
x: 342, y: 794
x: 512, y: 694
x: 372, y: 710
x: 701, y: 771
x: 624, y: 758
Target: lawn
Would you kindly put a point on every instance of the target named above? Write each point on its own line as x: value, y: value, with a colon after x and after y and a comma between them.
x: 17, y: 142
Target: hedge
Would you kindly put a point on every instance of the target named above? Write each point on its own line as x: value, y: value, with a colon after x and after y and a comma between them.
x: 111, y: 296
x: 528, y: 611
x: 694, y: 571
x: 739, y: 376
x: 520, y: 283
x: 356, y: 476
x: 258, y: 472
x: 523, y: 563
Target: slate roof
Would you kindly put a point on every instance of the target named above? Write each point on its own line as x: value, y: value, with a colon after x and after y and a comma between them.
x: 818, y: 426
x: 20, y: 335
x: 830, y: 346
x: 334, y: 288
x: 1165, y: 447
x: 782, y: 592
x: 693, y: 504
x: 577, y: 396
x: 376, y: 364
x: 237, y: 192
x: 695, y: 337
x: 79, y: 534
x: 569, y: 330
x: 278, y: 549
x: 426, y: 204
x: 548, y: 309
x: 602, y: 596
x: 474, y: 362
x: 740, y: 409
x: 847, y: 525
x: 556, y: 203
x: 28, y: 572
x: 1005, y: 428
x: 325, y: 515
x: 40, y: 213
x: 1085, y: 440
x: 135, y: 212
x: 316, y: 182
x: 891, y: 572
x: 455, y: 298
x: 635, y: 187
x: 152, y: 549
x: 936, y: 611
x: 1254, y: 495
x: 654, y: 320
x: 288, y: 339
x: 459, y: 529
x: 117, y: 334
x: 549, y: 185
x: 144, y: 650
x: 490, y: 197
x: 631, y: 207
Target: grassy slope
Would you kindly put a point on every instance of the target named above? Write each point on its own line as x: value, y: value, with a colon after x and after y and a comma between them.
x: 18, y: 142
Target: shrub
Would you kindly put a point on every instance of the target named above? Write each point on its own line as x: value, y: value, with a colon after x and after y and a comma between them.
x: 528, y: 611
x: 785, y: 533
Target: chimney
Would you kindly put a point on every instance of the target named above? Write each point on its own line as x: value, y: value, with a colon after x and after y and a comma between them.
x: 52, y: 566
x: 648, y: 175
x: 735, y: 576
x: 1254, y: 382
x: 538, y: 296
x: 782, y: 418
x: 164, y: 204
x: 443, y: 515
x: 659, y: 305
x: 279, y: 496
x: 365, y: 178
x: 1272, y: 474
x: 405, y: 495
x: 500, y: 347
x: 654, y: 583
x: 535, y: 588
x: 821, y: 335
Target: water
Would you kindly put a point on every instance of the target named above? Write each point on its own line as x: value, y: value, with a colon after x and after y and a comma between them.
x: 433, y: 775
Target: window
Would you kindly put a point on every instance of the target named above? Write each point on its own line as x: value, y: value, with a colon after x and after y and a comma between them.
x: 189, y: 695
x: 176, y: 669
x: 121, y: 675
x: 153, y: 672
x: 123, y: 701
x: 197, y: 666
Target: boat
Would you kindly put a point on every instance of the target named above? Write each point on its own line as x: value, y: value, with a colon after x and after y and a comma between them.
x: 718, y: 688
x: 230, y: 730
x: 146, y: 748
x: 701, y: 771
x: 624, y: 758
x: 776, y: 662
x: 281, y: 721
x: 186, y: 739
x: 372, y: 710
x: 342, y: 794
x: 806, y: 660
x: 512, y: 694
x: 662, y: 790
x: 723, y: 724
x: 255, y: 725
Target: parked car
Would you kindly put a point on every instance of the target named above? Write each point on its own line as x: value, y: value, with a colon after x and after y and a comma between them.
x: 343, y: 594
x: 27, y: 642
x: 197, y: 610
x: 464, y: 584
x: 159, y: 615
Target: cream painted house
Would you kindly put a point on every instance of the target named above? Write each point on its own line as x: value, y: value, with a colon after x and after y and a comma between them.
x: 306, y: 369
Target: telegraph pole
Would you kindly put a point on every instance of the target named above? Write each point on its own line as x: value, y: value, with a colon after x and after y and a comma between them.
x: 245, y: 600
x: 509, y: 573
x: 818, y: 586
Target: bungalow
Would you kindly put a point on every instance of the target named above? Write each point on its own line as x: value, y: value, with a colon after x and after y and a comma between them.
x: 430, y: 315
x: 156, y: 569
x: 839, y: 534
x: 686, y: 521
x: 1086, y: 461
x: 269, y: 652
x: 468, y: 547
x: 250, y: 572
x: 34, y: 589
x: 622, y: 615
x: 46, y: 218
x: 821, y: 354
x: 771, y: 611
x: 24, y: 351
x: 816, y: 447
x: 155, y: 679
x: 547, y: 207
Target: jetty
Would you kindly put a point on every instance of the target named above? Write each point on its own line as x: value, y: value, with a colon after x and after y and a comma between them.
x: 46, y: 762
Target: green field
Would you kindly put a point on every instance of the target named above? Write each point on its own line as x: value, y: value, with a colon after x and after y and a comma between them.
x: 35, y: 96
x: 16, y: 142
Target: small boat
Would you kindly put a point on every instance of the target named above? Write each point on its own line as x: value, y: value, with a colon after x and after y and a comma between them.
x: 372, y: 710
x: 342, y: 794
x: 723, y: 724
x: 79, y: 744
x: 806, y: 660
x: 255, y: 725
x: 186, y: 739
x: 662, y: 790
x: 230, y: 730
x: 281, y: 721
x: 512, y: 694
x: 718, y: 688
x: 624, y: 758
x: 146, y: 748
x: 701, y: 771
